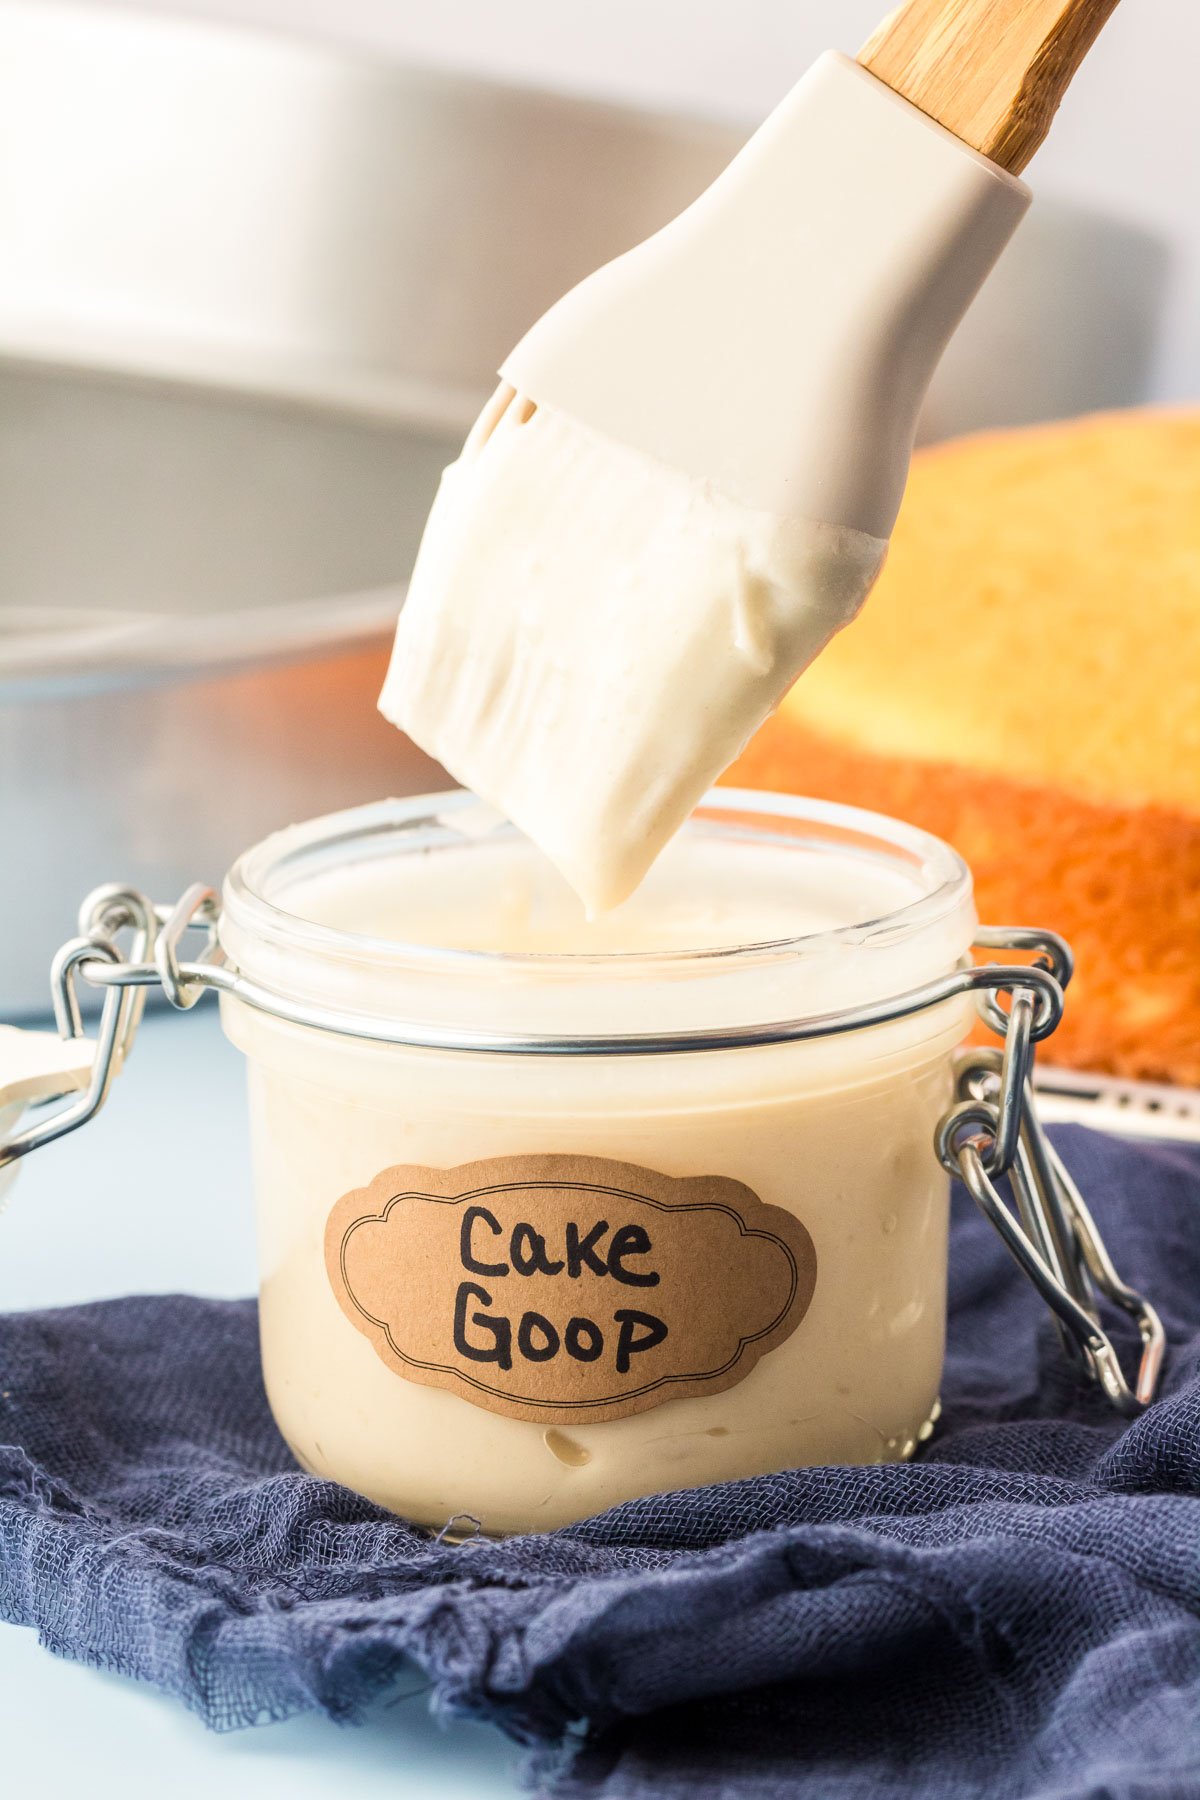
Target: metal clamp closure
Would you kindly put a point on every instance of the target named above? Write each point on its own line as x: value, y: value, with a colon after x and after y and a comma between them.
x: 992, y: 1131
x: 105, y: 916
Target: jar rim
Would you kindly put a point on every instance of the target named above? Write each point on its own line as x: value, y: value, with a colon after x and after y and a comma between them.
x: 421, y: 822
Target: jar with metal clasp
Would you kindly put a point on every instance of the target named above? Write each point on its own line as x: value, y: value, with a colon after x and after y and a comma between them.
x: 555, y: 1214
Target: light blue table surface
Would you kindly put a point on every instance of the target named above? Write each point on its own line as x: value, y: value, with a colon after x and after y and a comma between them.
x: 113, y: 1210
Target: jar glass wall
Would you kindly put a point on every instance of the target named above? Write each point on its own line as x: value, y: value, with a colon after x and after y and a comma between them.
x: 676, y: 1022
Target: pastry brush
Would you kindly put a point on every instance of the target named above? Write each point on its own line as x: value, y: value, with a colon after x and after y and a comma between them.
x: 688, y: 476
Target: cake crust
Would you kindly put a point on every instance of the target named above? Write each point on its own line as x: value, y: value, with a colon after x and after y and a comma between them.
x: 1122, y: 885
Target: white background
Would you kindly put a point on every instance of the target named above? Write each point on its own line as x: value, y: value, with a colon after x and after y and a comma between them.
x: 1127, y: 138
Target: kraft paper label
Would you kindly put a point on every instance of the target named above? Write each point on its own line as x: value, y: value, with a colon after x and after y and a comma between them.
x: 564, y: 1288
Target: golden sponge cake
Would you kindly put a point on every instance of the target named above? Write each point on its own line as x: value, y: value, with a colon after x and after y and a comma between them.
x: 1025, y: 682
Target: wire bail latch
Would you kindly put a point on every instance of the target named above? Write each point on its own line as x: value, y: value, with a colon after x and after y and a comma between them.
x: 127, y: 944
x: 994, y: 1131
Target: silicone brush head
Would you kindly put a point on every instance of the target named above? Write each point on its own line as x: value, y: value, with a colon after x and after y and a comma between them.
x: 590, y: 636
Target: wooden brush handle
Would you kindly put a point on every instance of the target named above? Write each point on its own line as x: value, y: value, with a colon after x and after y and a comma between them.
x: 990, y: 71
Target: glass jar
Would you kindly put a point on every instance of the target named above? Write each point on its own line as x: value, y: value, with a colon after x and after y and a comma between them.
x: 681, y: 1062
x: 552, y: 1213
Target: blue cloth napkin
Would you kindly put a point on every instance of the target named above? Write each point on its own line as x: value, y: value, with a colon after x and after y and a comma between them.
x: 1015, y: 1614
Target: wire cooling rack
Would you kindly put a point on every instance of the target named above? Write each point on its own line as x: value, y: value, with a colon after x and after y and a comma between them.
x: 1131, y: 1108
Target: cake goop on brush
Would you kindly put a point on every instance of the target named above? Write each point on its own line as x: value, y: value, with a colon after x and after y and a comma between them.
x: 1025, y: 683
x: 535, y: 663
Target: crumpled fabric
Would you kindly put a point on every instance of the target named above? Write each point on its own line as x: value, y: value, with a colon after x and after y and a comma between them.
x: 1015, y: 1614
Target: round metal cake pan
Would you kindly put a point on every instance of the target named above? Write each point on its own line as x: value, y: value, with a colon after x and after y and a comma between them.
x: 207, y: 202
x: 252, y: 294
x: 252, y: 291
